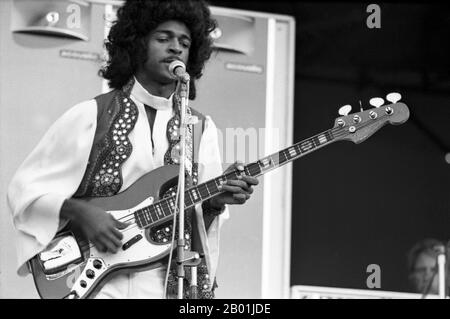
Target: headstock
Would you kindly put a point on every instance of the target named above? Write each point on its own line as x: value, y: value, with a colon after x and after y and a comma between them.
x: 357, y: 127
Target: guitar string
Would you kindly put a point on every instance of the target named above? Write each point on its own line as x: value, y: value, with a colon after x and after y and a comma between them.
x: 340, y: 132
x: 343, y: 133
x: 135, y: 225
x: 131, y: 216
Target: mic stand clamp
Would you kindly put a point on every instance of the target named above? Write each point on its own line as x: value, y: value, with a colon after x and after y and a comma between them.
x: 188, y: 259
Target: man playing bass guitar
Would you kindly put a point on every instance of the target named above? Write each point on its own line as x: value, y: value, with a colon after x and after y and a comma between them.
x: 101, y: 147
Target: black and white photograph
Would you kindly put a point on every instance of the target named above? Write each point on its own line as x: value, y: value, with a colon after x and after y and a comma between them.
x: 224, y: 150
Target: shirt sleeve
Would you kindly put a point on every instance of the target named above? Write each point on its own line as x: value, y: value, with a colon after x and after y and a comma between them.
x: 50, y: 174
x: 210, y: 166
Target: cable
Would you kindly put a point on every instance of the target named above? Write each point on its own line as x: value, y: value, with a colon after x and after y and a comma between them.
x: 174, y: 225
x: 430, y: 283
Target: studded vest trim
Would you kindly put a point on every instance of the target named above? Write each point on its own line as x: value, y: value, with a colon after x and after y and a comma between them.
x: 116, y: 116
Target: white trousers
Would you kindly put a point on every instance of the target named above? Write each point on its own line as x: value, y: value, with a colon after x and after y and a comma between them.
x: 147, y: 284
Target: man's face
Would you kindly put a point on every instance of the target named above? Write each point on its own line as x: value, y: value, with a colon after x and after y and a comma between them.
x: 423, y: 273
x: 170, y: 41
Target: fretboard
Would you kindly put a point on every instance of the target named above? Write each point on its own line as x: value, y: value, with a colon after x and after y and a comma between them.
x: 164, y: 209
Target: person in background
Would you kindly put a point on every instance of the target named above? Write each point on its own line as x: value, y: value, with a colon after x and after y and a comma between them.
x: 423, y: 267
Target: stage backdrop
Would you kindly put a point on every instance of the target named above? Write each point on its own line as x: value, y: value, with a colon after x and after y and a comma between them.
x: 247, y: 88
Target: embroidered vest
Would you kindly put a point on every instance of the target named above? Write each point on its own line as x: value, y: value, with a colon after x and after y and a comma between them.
x: 116, y: 117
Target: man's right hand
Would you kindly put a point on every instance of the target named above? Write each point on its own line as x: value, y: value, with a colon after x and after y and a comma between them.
x: 98, y: 226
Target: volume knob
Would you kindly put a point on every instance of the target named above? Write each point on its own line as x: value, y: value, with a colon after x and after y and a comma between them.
x: 90, y: 274
x: 97, y: 264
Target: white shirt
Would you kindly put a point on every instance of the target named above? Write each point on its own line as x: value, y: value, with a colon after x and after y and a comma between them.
x: 54, y: 169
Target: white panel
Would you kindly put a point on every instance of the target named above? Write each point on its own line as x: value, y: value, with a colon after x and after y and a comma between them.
x: 37, y: 85
x: 277, y: 193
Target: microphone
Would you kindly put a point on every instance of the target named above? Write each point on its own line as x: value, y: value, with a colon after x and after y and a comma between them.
x: 178, y: 70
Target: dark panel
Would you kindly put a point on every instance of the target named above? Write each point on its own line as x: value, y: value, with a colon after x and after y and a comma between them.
x: 361, y: 204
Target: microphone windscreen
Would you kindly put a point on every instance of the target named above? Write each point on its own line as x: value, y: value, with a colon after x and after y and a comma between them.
x: 177, y: 68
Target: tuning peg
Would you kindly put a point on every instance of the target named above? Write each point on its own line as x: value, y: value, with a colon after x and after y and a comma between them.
x: 344, y: 110
x: 376, y: 101
x: 393, y: 97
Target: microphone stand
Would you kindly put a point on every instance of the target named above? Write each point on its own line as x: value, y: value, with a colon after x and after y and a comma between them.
x: 184, y: 257
x: 441, y: 260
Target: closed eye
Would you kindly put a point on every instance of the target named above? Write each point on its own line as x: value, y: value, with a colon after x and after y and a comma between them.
x: 186, y: 44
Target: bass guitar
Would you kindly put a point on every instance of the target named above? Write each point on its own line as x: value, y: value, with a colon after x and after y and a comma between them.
x: 71, y: 267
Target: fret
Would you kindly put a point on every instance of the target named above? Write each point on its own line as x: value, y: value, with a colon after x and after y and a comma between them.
x: 153, y: 215
x: 138, y: 216
x: 195, y: 195
x: 254, y: 169
x: 144, y: 214
x: 284, y: 156
x: 159, y: 211
x: 292, y: 152
x: 329, y: 135
x: 222, y: 179
x: 207, y: 189
x: 147, y: 212
x: 260, y: 166
x: 188, y: 198
x: 217, y: 181
x: 173, y: 206
x: 306, y: 146
x: 202, y: 191
x: 231, y: 175
x: 299, y: 150
x: 171, y: 202
x: 166, y: 208
x: 211, y: 185
x: 322, y: 139
x: 266, y: 162
x: 275, y: 160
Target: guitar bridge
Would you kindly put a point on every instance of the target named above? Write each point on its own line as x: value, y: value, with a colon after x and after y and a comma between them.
x: 62, y: 252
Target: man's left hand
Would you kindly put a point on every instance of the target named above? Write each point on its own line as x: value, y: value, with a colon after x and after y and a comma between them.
x: 236, y: 191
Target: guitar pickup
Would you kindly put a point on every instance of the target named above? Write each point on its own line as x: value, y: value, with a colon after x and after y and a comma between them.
x: 131, y: 242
